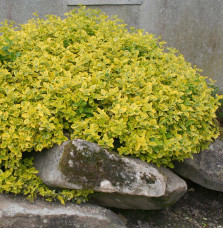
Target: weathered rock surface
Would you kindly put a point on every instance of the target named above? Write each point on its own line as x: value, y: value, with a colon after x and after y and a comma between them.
x: 120, y: 182
x: 175, y: 188
x: 206, y: 168
x: 18, y: 212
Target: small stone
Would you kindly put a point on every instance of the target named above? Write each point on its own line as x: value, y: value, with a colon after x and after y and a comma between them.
x: 195, y: 212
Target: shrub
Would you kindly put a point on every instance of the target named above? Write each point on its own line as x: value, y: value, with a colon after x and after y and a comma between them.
x: 91, y: 77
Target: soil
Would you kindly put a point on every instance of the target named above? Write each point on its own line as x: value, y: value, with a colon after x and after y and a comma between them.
x: 198, y: 208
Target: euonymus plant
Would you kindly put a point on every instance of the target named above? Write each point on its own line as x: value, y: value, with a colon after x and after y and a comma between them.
x: 91, y: 77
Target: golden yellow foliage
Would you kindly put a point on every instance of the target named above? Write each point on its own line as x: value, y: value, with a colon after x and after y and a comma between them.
x: 90, y: 76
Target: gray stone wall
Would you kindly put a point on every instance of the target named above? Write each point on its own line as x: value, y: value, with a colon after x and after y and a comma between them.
x: 194, y: 27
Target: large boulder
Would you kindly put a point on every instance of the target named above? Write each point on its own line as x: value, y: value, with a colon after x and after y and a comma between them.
x: 119, y: 181
x: 17, y: 212
x: 206, y: 167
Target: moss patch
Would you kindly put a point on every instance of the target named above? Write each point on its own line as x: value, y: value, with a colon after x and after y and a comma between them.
x: 90, y: 166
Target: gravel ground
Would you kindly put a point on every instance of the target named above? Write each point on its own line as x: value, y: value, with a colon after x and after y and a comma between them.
x: 198, y: 208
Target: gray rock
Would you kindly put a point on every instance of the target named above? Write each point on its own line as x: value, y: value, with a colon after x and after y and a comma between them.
x: 206, y: 168
x: 18, y: 212
x: 120, y: 182
x: 175, y: 188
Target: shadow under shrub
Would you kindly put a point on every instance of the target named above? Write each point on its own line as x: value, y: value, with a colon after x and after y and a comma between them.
x: 91, y: 77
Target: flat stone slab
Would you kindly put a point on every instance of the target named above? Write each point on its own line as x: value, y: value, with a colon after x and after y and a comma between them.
x: 79, y: 164
x: 18, y: 212
x: 206, y: 168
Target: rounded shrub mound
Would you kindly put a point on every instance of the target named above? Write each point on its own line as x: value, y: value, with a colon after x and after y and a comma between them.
x: 92, y: 78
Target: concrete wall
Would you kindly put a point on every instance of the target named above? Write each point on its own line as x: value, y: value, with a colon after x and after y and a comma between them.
x: 194, y: 27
